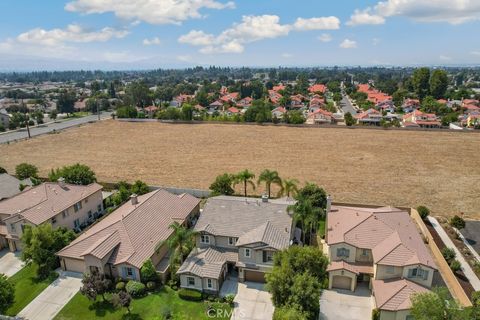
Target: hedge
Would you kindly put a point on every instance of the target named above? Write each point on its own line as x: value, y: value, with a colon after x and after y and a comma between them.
x: 135, y: 288
x: 189, y: 294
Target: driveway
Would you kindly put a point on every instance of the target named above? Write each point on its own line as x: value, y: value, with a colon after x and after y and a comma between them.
x: 252, y: 302
x: 48, y: 303
x: 10, y: 262
x: 337, y: 304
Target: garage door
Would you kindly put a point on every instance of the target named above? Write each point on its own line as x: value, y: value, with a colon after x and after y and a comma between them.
x: 74, y: 265
x: 341, y: 282
x: 254, y: 276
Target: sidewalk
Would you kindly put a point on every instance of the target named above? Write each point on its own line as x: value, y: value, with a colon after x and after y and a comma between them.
x: 49, y: 303
x: 467, y: 270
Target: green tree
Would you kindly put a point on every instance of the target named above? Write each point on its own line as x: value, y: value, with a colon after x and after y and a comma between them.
x: 139, y: 188
x: 289, y: 187
x: 294, y: 117
x: 137, y: 94
x: 421, y: 82
x: 438, y: 83
x: 122, y: 299
x: 289, y: 313
x: 315, y: 194
x: 128, y: 112
x: 2, y: 170
x: 269, y: 177
x: 53, y: 115
x: 7, y: 294
x: 349, y: 119
x: 457, y: 222
x: 187, y: 112
x: 94, y: 284
x: 180, y: 243
x: 40, y: 245
x: 436, y: 304
x: 449, y: 254
x: 223, y: 184
x: 25, y: 171
x: 79, y: 174
x: 148, y: 272
x: 305, y: 293
x: 305, y: 214
x: 111, y: 90
x: 423, y: 211
x: 66, y: 102
x: 245, y: 177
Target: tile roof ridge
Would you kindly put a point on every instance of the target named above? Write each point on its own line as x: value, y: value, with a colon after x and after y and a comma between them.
x: 402, y: 287
x: 99, y: 242
x: 356, y: 225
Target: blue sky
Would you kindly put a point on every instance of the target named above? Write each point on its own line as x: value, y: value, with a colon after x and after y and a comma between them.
x: 125, y: 34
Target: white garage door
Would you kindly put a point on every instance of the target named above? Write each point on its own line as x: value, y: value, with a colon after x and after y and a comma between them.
x: 342, y: 282
x: 74, y: 265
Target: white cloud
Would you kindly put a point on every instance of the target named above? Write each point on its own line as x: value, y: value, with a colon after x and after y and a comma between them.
x: 475, y: 53
x: 287, y: 55
x: 73, y: 33
x: 376, y: 41
x: 151, y: 42
x: 321, y: 23
x: 150, y: 11
x: 365, y: 17
x: 445, y: 58
x: 450, y: 11
x: 251, y: 29
x: 184, y: 58
x: 325, y: 37
x: 348, y: 44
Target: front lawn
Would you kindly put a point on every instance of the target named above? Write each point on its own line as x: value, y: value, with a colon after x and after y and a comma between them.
x: 152, y: 306
x: 27, y: 287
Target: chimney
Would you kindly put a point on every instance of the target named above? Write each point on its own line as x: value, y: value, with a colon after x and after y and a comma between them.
x: 61, y: 182
x: 134, y: 199
x: 329, y: 203
x: 264, y: 197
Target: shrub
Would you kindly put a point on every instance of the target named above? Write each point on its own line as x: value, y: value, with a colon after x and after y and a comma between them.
x: 151, y: 285
x: 423, y: 212
x: 25, y: 170
x: 135, y: 288
x: 174, y: 288
x: 190, y: 295
x: 289, y: 312
x: 375, y: 314
x: 476, y: 266
x: 455, y: 265
x: 148, y: 272
x: 229, y: 298
x: 449, y: 254
x: 457, y: 222
x: 120, y: 286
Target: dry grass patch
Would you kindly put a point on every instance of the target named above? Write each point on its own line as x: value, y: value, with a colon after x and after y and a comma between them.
x: 405, y: 168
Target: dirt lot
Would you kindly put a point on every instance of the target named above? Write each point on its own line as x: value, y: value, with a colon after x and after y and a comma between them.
x: 437, y: 169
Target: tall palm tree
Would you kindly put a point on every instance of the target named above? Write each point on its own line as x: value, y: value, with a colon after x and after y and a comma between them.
x: 180, y: 243
x: 269, y: 177
x: 245, y: 177
x: 289, y: 186
x: 305, y: 214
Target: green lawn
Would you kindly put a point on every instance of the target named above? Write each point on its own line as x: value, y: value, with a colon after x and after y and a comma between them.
x: 152, y: 306
x: 27, y: 287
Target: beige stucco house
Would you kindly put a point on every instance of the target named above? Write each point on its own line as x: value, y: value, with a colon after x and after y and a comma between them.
x: 60, y: 204
x: 380, y: 248
x: 239, y: 236
x: 119, y: 244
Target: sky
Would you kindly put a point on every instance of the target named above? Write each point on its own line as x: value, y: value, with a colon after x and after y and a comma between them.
x: 145, y: 34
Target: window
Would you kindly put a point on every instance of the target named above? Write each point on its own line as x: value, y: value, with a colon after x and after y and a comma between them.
x: 365, y: 252
x: 409, y: 317
x: 204, y: 238
x: 65, y: 213
x: 89, y: 214
x: 267, y: 256
x: 99, y: 208
x: 77, y: 206
x: 209, y: 283
x: 390, y: 269
x: 129, y: 272
x: 191, y: 281
x: 418, y: 273
x: 232, y: 241
x: 248, y: 252
x: 54, y: 220
x: 12, y: 226
x: 76, y: 223
x: 343, y: 253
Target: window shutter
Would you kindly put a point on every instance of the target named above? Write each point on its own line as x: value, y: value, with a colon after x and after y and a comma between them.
x: 264, y: 256
x: 124, y: 272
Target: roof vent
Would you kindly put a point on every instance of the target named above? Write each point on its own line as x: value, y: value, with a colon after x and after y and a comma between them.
x: 329, y: 203
x: 264, y: 197
x: 61, y: 182
x: 134, y: 199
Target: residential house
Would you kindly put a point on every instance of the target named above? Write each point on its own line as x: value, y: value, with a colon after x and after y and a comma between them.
x: 10, y: 186
x: 369, y: 117
x: 4, y: 118
x: 386, y: 105
x: 245, y: 102
x: 215, y: 106
x: 317, y: 88
x: 60, y: 204
x: 410, y: 105
x: 150, y: 111
x: 420, y: 119
x: 232, y: 111
x: 119, y: 244
x: 236, y: 236
x: 80, y: 105
x: 320, y: 116
x: 230, y: 97
x: 279, y: 112
x: 279, y: 87
x: 378, y: 248
x: 274, y: 96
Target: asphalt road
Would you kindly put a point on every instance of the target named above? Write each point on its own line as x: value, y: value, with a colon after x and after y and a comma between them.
x: 472, y: 234
x: 346, y: 106
x: 36, y: 131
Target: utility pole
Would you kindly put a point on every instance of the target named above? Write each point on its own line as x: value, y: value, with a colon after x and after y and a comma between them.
x: 27, y: 118
x: 98, y: 110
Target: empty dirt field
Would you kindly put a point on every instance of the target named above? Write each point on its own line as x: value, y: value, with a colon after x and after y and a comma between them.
x: 391, y: 167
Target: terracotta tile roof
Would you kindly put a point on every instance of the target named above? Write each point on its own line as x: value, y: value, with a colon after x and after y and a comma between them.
x: 356, y: 268
x: 207, y: 262
x: 40, y: 203
x: 389, y: 232
x: 394, y: 294
x: 268, y: 235
x: 133, y: 231
x: 317, y: 88
x: 233, y: 110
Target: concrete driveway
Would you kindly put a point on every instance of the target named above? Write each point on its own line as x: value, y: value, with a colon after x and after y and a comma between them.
x: 337, y: 304
x: 10, y: 262
x: 48, y: 303
x: 252, y: 302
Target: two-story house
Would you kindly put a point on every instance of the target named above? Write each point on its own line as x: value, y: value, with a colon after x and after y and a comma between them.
x: 237, y: 236
x: 382, y: 249
x: 119, y: 244
x: 60, y: 204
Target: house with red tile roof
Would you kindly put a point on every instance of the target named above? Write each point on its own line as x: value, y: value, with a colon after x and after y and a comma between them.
x: 278, y: 87
x: 317, y: 88
x: 319, y: 116
x: 410, y: 105
x: 230, y: 97
x: 378, y: 248
x: 274, y: 96
x: 232, y: 111
x: 279, y: 112
x: 420, y: 119
x: 119, y: 244
x: 150, y: 110
x: 245, y: 102
x: 60, y: 204
x: 369, y: 117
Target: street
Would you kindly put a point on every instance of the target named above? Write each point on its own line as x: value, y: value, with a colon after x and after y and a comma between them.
x: 346, y: 106
x: 36, y: 131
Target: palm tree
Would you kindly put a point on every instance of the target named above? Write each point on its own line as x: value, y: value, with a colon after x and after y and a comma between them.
x: 245, y: 177
x: 269, y: 177
x: 180, y: 243
x: 289, y: 186
x: 305, y: 214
